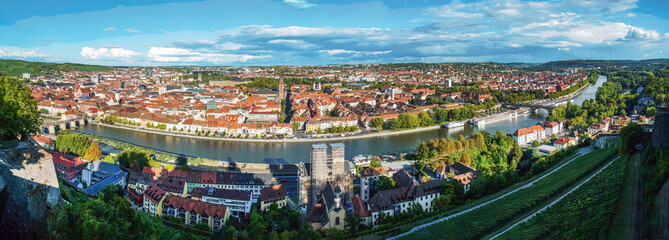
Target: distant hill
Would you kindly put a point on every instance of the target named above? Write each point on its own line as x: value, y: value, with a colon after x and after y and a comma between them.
x: 587, y: 63
x: 17, y: 67
x: 521, y: 64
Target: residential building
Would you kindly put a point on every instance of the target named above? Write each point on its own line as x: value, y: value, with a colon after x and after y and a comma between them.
x: 360, y: 207
x: 529, y: 134
x: 158, y: 202
x: 458, y: 172
x: 239, y: 202
x: 401, y: 199
x: 153, y: 200
x: 564, y: 142
x: 368, y: 179
x: 98, y: 174
x: 553, y: 127
x: 273, y: 195
x: 67, y: 168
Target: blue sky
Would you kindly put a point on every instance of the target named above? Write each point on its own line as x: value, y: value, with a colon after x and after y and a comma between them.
x: 316, y: 32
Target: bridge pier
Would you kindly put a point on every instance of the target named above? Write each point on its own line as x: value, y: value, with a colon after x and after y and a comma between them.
x: 82, y: 122
x: 73, y: 124
x: 52, y: 129
x: 62, y: 125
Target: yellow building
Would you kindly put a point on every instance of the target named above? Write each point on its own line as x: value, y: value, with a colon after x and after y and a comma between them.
x: 153, y: 200
x: 273, y: 195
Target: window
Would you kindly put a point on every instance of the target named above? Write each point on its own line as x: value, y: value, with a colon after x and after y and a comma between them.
x: 337, y: 221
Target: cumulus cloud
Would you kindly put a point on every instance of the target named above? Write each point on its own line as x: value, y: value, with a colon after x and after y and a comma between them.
x: 103, y: 53
x: 180, y: 55
x: 21, y: 53
x: 640, y: 33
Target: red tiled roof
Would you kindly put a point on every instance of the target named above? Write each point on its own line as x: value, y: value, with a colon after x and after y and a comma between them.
x: 273, y: 192
x: 529, y: 130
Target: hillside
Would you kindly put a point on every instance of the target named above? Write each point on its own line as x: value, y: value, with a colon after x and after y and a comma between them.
x: 17, y: 67
x: 589, y: 63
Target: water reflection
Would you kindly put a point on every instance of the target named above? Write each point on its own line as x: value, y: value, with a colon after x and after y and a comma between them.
x: 282, y: 153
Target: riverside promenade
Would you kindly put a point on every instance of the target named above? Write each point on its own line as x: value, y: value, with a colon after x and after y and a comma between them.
x: 286, y: 140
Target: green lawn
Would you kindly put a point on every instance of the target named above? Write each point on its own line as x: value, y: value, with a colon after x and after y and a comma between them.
x: 481, y: 221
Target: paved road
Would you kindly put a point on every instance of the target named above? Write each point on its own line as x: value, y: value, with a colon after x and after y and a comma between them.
x: 416, y: 228
x: 555, y: 201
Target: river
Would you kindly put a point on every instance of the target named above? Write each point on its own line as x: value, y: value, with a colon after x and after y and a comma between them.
x: 292, y: 153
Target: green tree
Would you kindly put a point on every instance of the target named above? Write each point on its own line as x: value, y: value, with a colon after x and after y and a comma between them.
x: 93, y: 152
x: 514, y: 156
x: 73, y: 143
x: 134, y: 158
x: 434, y: 154
x: 385, y: 183
x: 98, y: 219
x: 465, y: 159
x: 109, y: 159
x: 422, y: 151
x: 377, y: 123
x: 535, y: 143
x: 353, y: 222
x: 376, y: 162
x: 442, y: 202
x: 630, y: 136
x: 257, y: 225
x: 109, y: 192
x: 18, y: 109
x: 425, y: 119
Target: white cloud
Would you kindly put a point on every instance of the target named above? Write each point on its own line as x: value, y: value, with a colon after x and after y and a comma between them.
x: 110, y: 29
x: 510, y: 12
x: 299, y: 44
x: 451, y: 11
x: 180, y: 55
x: 598, y: 32
x: 338, y: 51
x: 290, y: 41
x: 109, y: 54
x: 21, y: 53
x: 640, y: 33
x: 299, y: 3
x: 229, y: 46
x: 130, y: 30
x: 562, y: 44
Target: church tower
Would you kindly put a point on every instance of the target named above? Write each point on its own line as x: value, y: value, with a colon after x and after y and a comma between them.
x: 282, y: 90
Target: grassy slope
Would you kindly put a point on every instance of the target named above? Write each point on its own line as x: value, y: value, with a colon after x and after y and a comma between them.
x: 477, y: 223
x: 18, y: 67
x: 590, y: 212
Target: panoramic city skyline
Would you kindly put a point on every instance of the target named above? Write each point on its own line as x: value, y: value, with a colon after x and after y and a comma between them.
x: 301, y: 32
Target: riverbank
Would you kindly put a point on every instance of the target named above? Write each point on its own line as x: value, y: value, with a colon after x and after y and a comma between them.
x: 298, y: 140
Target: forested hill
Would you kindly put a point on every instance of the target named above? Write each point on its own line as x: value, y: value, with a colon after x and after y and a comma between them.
x: 599, y: 63
x: 17, y: 67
